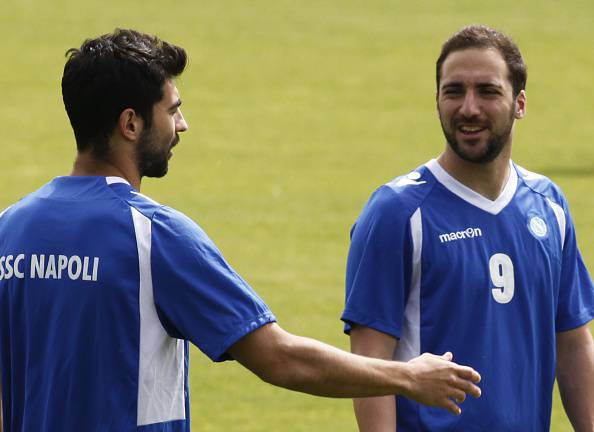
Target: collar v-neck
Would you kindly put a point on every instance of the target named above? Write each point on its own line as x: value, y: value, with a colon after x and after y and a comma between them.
x: 472, y: 197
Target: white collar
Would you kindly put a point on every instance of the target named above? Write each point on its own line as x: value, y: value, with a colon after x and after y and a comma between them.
x: 113, y: 179
x: 472, y: 197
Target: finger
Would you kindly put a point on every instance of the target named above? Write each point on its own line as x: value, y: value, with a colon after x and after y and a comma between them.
x: 468, y: 388
x: 451, y: 406
x: 468, y: 373
x: 448, y: 356
x: 457, y: 395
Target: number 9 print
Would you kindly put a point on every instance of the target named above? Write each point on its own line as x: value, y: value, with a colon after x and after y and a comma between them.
x: 502, y: 276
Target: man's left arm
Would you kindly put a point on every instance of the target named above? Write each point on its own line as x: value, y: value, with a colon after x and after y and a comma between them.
x: 575, y: 376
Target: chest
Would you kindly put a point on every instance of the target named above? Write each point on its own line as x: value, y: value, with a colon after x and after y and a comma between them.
x: 483, y: 257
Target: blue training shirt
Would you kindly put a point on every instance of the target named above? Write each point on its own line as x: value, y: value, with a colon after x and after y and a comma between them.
x: 100, y: 290
x: 442, y: 268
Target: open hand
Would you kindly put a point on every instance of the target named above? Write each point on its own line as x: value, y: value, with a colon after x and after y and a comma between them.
x: 438, y: 381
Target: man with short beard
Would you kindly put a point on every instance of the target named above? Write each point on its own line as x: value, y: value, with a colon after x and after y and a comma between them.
x: 473, y: 252
x: 102, y: 288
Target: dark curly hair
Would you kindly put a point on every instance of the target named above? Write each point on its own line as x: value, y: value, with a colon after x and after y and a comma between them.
x: 113, y: 72
x: 482, y: 37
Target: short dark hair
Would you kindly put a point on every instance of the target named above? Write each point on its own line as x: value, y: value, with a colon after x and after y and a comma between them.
x: 113, y: 72
x: 483, y: 37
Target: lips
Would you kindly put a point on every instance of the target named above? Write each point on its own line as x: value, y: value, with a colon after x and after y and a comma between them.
x: 470, y: 130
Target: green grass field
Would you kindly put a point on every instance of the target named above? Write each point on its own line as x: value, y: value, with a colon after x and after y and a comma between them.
x: 297, y: 111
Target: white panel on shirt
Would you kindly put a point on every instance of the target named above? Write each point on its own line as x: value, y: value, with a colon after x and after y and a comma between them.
x: 161, y: 361
x: 409, y: 345
x: 560, y: 215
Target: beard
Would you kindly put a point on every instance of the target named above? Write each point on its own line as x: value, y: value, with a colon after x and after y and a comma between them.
x: 495, y: 144
x: 152, y: 155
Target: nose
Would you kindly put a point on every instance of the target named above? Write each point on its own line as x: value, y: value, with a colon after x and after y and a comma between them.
x: 470, y: 105
x: 180, y: 122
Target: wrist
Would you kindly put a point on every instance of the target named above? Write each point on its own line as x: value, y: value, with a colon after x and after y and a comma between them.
x: 406, y: 382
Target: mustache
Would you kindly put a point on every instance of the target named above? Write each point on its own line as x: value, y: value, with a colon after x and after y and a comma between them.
x: 474, y: 120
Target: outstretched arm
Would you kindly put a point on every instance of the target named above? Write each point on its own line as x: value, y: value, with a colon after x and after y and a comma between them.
x: 575, y: 376
x: 310, y: 366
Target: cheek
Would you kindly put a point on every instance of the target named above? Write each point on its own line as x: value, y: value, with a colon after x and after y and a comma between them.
x: 444, y: 110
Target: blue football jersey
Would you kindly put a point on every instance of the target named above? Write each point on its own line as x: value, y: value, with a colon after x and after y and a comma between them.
x: 442, y: 268
x: 101, y: 289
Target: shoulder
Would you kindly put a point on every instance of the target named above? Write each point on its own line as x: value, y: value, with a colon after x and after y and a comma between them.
x: 142, y: 203
x: 402, y: 196
x: 3, y: 212
x: 175, y: 220
x: 24, y: 205
x: 172, y: 229
x: 391, y: 207
x: 541, y: 185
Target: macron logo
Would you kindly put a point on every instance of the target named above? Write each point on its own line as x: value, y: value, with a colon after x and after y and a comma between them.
x: 460, y: 235
x: 411, y: 179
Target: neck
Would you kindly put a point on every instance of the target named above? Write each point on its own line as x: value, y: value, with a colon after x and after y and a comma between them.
x: 486, y: 179
x: 87, y: 165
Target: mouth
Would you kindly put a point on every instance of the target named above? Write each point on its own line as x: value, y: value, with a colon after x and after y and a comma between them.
x: 173, y: 144
x: 471, y: 130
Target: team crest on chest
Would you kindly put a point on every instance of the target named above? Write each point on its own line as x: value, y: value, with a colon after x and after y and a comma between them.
x: 538, y: 227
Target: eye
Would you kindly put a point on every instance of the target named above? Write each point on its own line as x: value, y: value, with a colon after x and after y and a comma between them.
x: 490, y: 91
x: 452, y: 91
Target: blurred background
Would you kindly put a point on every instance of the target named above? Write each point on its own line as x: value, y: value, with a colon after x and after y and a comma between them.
x: 298, y: 110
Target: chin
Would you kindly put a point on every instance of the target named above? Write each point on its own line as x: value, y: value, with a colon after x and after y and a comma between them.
x: 156, y: 171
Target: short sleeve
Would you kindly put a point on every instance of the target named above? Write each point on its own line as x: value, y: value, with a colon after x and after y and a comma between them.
x: 576, y: 292
x: 379, y: 265
x: 198, y: 296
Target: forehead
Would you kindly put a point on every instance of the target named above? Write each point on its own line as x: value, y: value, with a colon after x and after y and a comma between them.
x: 170, y: 93
x: 475, y: 65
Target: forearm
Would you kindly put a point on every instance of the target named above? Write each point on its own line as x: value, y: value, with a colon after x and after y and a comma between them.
x: 310, y: 366
x: 575, y: 376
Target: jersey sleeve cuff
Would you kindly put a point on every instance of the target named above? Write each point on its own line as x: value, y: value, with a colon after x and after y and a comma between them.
x: 574, y: 322
x: 351, y: 317
x: 219, y: 354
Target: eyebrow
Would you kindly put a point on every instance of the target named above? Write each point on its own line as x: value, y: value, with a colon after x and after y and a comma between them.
x: 175, y: 105
x: 490, y: 85
x: 454, y: 85
x: 482, y: 85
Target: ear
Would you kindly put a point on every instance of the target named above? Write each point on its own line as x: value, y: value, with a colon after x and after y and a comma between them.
x: 130, y: 124
x: 520, y: 105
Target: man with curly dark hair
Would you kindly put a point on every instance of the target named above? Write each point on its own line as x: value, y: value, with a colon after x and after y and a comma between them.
x: 102, y: 288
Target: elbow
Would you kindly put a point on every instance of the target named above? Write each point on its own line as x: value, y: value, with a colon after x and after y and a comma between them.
x: 278, y: 366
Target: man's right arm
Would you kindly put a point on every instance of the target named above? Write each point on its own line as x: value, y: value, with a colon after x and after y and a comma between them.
x: 310, y: 366
x: 376, y: 414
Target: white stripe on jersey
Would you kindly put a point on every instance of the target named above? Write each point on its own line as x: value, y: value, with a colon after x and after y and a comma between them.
x: 4, y: 211
x: 161, y: 362
x: 560, y: 215
x: 409, y: 345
